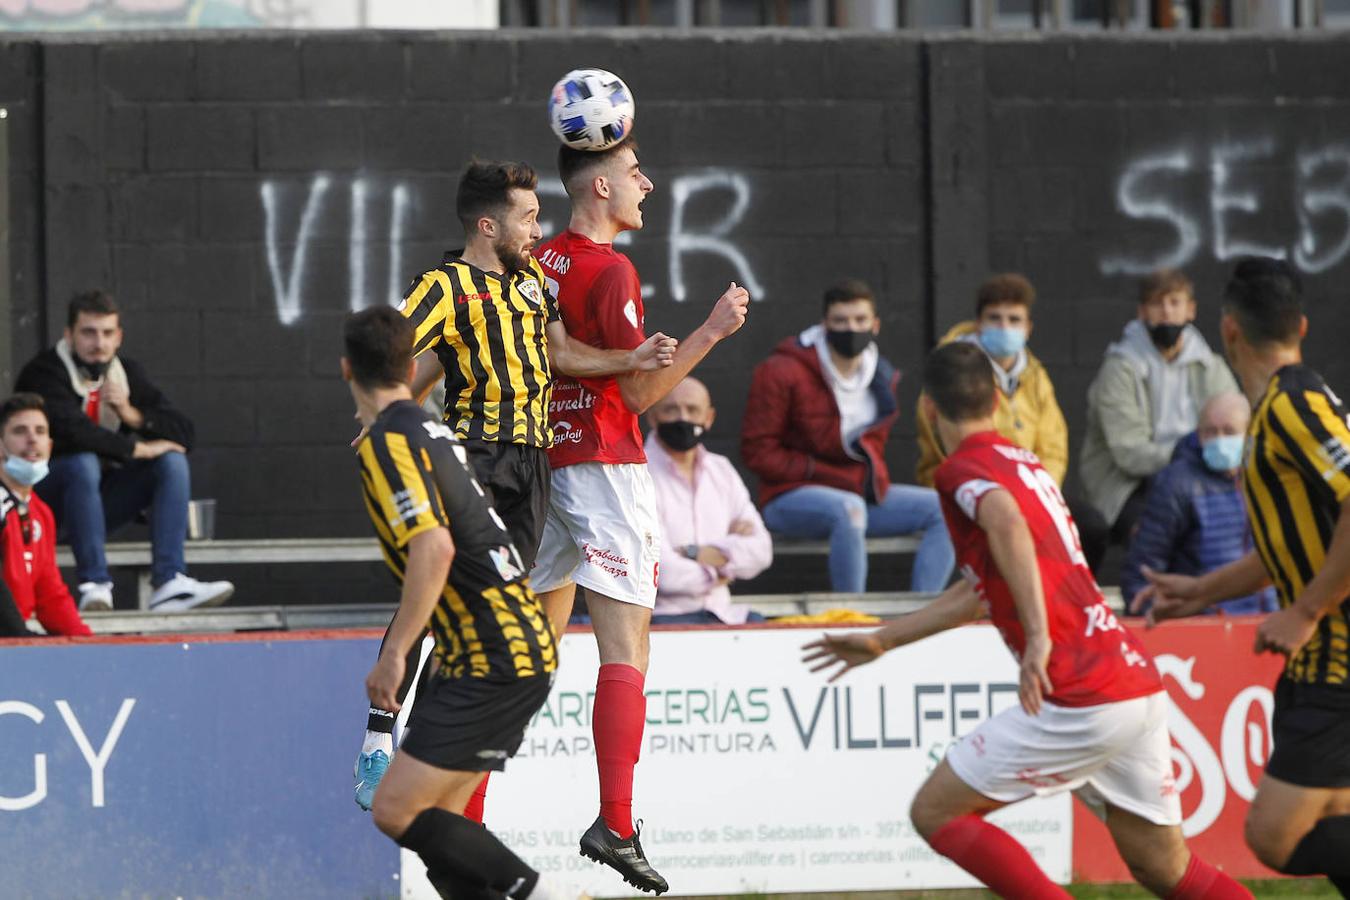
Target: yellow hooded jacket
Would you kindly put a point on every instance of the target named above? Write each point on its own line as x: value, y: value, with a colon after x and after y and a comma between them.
x: 1030, y: 418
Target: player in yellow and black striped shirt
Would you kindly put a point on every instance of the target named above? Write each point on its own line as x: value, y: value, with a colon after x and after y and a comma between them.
x: 495, y: 653
x: 1297, y: 484
x: 491, y: 325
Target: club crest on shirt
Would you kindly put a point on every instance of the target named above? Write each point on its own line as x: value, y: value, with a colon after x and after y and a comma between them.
x: 529, y: 289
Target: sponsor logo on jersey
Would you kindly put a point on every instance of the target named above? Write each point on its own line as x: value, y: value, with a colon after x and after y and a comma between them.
x: 564, y: 432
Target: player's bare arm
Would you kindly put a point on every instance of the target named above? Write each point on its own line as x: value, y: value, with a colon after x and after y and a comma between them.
x: 1287, y: 630
x: 429, y: 556
x: 1179, y: 596
x: 1014, y: 552
x: 429, y: 371
x: 839, y: 653
x: 580, y: 360
x: 640, y: 390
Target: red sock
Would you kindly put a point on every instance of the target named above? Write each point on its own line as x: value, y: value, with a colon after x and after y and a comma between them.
x: 1204, y: 882
x: 473, y: 810
x: 617, y: 722
x: 993, y: 856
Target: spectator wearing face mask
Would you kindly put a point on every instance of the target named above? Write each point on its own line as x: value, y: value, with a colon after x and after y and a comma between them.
x: 815, y: 429
x: 711, y: 533
x: 1195, y: 519
x: 1147, y: 396
x: 1027, y: 412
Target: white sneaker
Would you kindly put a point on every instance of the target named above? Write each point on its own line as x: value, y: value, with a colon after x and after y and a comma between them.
x: 95, y: 596
x: 182, y: 593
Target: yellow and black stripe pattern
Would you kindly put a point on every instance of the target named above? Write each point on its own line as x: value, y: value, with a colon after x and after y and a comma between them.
x: 488, y: 332
x: 488, y: 623
x: 1296, y: 476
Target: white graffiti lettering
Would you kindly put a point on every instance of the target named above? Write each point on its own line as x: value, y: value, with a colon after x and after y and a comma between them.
x: 1160, y: 188
x: 287, y: 254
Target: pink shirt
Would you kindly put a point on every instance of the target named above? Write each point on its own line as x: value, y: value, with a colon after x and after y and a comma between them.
x: 702, y: 513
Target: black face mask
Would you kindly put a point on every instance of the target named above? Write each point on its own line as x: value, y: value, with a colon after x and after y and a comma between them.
x: 849, y: 343
x: 92, y: 371
x: 1165, y: 336
x: 681, y: 435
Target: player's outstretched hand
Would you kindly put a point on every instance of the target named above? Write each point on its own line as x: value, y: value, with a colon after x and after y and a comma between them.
x: 1285, y: 631
x: 728, y: 315
x: 656, y: 352
x: 383, y: 682
x: 841, y: 652
x: 1034, y: 681
x: 1171, y: 596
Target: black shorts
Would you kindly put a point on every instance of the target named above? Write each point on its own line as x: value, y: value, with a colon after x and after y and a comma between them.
x: 472, y: 724
x: 1311, y: 730
x: 516, y: 478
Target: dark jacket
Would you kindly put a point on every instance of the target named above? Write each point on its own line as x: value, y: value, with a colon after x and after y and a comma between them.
x: 1194, y: 522
x: 790, y: 435
x: 74, y: 432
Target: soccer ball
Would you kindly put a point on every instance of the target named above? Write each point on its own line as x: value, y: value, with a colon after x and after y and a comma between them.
x: 591, y: 109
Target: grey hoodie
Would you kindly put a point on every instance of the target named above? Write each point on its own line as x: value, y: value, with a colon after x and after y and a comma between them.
x: 1139, y: 405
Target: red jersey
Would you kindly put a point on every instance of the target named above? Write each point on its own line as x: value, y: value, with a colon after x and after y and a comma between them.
x: 1094, y: 658
x: 28, y: 560
x: 600, y: 299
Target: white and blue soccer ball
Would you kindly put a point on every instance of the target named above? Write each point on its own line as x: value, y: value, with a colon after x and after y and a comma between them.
x: 591, y: 109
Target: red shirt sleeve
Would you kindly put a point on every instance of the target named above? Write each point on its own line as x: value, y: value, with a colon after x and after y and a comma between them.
x: 615, y: 300
x: 55, y: 608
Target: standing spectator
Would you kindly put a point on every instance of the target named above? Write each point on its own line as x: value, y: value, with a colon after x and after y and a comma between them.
x: 119, y: 450
x: 711, y: 533
x: 1027, y: 413
x: 821, y: 409
x: 1146, y: 396
x: 1195, y: 520
x: 27, y: 530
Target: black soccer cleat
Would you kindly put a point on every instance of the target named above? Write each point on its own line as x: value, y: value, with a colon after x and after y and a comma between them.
x: 623, y: 856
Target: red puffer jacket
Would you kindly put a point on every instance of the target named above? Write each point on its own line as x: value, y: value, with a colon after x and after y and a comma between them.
x: 790, y: 435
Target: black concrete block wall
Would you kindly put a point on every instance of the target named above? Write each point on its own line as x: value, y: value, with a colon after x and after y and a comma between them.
x: 1087, y: 161
x: 240, y: 194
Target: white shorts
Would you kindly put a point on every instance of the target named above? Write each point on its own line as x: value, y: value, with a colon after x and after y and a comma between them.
x: 1116, y: 753
x: 602, y: 532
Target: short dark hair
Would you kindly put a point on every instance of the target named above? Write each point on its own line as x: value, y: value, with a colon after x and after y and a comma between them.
x: 1008, y: 287
x: 98, y: 303
x: 846, y: 291
x: 20, y: 402
x: 1164, y: 281
x: 960, y: 380
x: 574, y: 163
x: 485, y: 188
x: 378, y: 345
x: 1265, y: 296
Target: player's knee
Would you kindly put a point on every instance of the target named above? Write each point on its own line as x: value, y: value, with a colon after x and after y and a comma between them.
x: 1267, y: 842
x: 926, y: 817
x: 389, y: 815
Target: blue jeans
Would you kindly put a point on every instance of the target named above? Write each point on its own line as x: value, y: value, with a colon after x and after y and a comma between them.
x: 816, y: 511
x: 89, y: 503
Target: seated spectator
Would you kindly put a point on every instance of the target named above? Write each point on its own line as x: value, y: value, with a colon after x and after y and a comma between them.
x: 27, y: 529
x: 1195, y: 519
x: 119, y: 450
x: 711, y: 533
x: 1147, y: 396
x: 1027, y: 413
x: 821, y: 409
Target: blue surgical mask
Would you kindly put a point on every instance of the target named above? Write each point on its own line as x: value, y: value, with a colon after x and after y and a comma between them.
x: 1224, y: 453
x: 1002, y: 342
x: 24, y: 472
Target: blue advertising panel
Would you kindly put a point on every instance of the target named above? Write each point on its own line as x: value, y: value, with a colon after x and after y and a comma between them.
x: 216, y: 768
